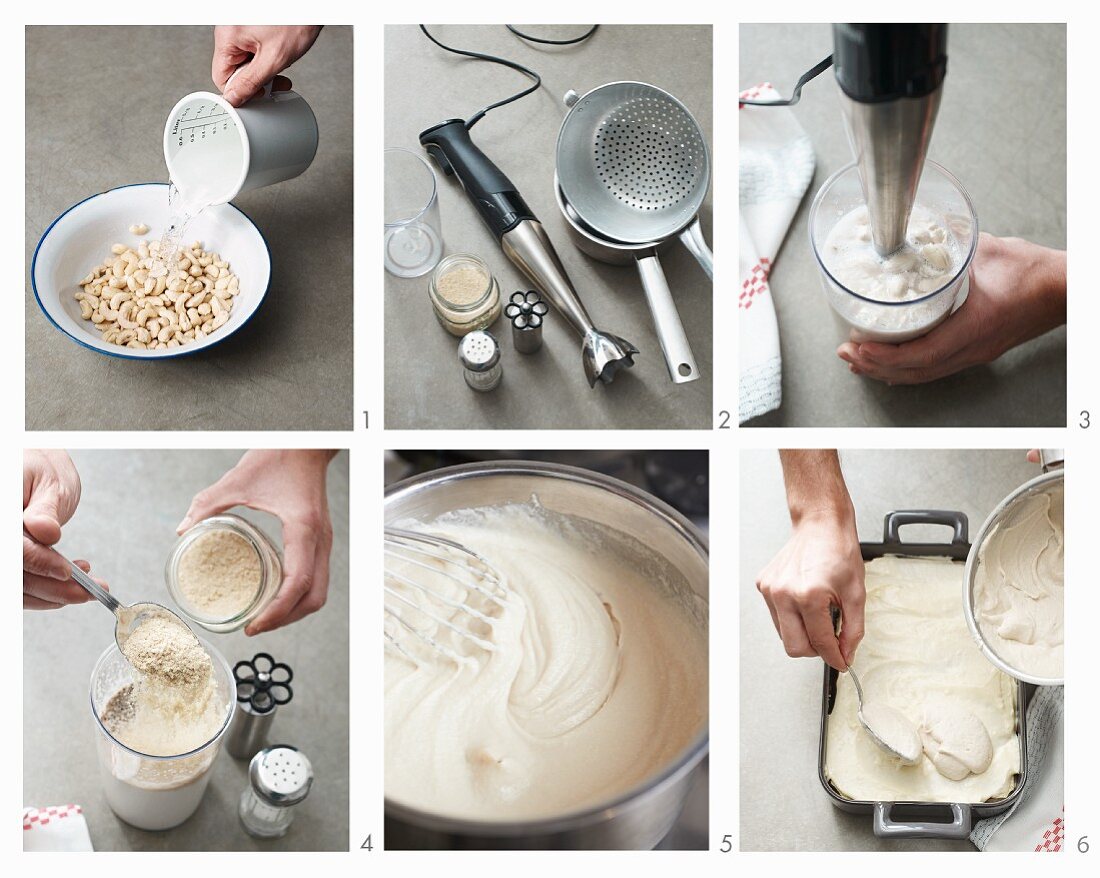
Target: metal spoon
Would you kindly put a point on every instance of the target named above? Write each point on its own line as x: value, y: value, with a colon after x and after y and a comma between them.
x: 127, y: 617
x: 903, y: 758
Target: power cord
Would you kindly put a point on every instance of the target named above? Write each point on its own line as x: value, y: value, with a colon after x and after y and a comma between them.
x: 514, y: 65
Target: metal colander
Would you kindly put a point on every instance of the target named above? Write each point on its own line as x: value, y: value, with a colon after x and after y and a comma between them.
x: 632, y: 162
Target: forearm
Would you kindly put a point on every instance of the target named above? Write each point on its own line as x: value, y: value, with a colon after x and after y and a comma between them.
x: 815, y: 486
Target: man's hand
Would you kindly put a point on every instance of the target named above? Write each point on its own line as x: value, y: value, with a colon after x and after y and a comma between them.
x: 820, y: 567
x: 290, y: 485
x: 259, y: 52
x: 51, y: 491
x: 1017, y: 292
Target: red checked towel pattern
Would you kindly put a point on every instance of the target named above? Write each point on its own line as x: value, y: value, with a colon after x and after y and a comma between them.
x: 775, y: 168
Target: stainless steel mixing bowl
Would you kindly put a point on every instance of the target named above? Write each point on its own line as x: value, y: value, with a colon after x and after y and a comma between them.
x: 1038, y: 483
x: 639, y: 818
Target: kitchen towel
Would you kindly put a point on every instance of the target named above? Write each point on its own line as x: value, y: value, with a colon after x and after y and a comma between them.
x: 776, y: 165
x: 58, y: 828
x: 1037, y: 821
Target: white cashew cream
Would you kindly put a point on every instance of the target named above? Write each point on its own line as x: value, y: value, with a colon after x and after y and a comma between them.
x: 593, y: 676
x: 1019, y: 583
x: 918, y: 657
x: 926, y: 261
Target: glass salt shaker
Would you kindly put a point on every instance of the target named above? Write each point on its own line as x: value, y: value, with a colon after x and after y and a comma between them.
x: 280, y: 778
x: 480, y: 356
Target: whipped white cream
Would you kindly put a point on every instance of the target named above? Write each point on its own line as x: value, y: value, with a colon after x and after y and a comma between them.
x: 596, y: 679
x: 1019, y: 583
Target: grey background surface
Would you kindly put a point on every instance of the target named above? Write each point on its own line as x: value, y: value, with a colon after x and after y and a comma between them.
x: 127, y: 534
x: 425, y: 85
x: 783, y: 806
x: 1001, y: 130
x: 96, y: 101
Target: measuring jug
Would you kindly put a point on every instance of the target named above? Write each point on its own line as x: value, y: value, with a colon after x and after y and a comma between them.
x: 215, y: 151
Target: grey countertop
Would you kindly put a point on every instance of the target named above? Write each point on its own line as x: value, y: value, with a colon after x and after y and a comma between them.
x: 127, y: 534
x: 96, y: 101
x: 783, y: 806
x: 1001, y: 130
x: 423, y: 86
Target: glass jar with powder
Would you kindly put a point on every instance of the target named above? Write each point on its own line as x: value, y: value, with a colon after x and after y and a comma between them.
x: 464, y: 294
x: 223, y: 572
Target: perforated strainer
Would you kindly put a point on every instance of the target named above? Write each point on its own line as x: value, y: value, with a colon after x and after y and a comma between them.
x: 632, y: 161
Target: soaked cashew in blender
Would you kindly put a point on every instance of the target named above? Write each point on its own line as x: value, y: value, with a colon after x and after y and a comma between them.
x: 132, y: 308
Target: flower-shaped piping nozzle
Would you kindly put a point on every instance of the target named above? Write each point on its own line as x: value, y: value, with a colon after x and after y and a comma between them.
x: 526, y: 311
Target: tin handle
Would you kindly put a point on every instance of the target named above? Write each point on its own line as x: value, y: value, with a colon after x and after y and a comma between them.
x: 959, y: 827
x: 891, y: 529
x: 1052, y: 458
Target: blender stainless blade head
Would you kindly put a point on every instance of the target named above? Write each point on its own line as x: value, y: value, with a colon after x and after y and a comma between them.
x: 604, y: 355
x: 891, y: 78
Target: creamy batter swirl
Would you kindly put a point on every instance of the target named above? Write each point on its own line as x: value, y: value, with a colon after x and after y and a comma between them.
x: 918, y: 658
x: 594, y: 679
x: 1019, y: 584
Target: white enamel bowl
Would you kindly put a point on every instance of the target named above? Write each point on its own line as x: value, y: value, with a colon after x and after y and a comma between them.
x: 82, y: 237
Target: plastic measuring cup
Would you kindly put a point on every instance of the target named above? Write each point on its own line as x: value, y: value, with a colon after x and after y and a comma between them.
x: 153, y: 792
x: 215, y: 151
x: 412, y: 243
x: 866, y: 319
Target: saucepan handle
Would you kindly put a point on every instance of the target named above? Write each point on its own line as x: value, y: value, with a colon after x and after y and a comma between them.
x: 959, y: 827
x: 666, y: 319
x: 895, y: 521
x: 692, y: 238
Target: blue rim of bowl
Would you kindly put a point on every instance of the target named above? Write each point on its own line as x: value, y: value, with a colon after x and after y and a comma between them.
x: 120, y: 356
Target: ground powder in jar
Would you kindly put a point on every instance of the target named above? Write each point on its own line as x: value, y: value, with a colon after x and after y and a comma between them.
x: 219, y: 574
x: 464, y: 285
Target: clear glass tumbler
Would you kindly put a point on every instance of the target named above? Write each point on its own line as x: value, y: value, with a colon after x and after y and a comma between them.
x: 865, y: 319
x: 413, y: 240
x: 152, y: 792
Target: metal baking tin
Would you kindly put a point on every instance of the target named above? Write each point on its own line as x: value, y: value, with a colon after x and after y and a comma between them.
x: 922, y: 819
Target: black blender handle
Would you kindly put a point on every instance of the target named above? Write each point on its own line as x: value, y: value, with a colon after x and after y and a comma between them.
x: 886, y: 62
x: 495, y: 196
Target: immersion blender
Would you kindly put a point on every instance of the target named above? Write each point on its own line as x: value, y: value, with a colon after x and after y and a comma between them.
x: 891, y: 79
x: 524, y: 241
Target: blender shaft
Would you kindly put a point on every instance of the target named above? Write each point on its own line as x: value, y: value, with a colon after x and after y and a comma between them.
x: 890, y: 141
x: 529, y: 247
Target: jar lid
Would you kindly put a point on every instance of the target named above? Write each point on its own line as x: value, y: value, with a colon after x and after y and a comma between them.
x: 281, y: 775
x: 479, y: 351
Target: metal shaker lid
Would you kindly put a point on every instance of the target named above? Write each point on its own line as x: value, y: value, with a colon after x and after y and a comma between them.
x: 479, y: 351
x: 281, y: 775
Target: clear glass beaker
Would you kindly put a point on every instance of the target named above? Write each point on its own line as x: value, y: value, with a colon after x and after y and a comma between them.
x: 152, y: 792
x: 413, y: 240
x: 866, y: 319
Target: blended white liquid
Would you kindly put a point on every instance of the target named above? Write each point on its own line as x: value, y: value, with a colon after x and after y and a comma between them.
x: 927, y: 260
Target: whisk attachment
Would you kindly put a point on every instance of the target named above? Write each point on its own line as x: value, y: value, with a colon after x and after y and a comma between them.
x: 440, y: 595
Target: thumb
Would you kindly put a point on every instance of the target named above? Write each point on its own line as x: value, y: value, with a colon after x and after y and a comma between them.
x: 41, y: 518
x: 851, y: 631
